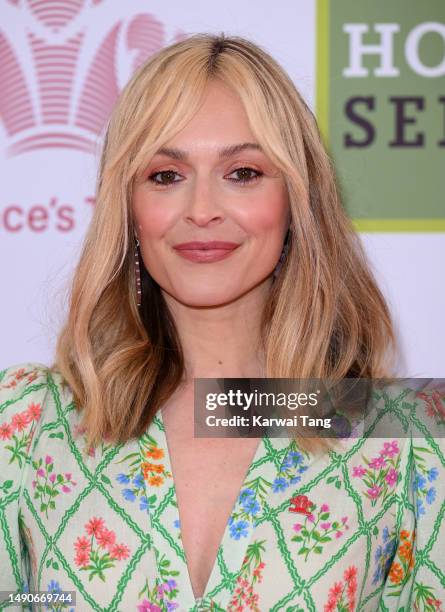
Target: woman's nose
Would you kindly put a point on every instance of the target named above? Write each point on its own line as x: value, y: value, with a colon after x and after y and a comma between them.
x: 203, y: 204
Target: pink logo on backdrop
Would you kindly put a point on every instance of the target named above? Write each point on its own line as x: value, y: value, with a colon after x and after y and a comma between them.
x: 60, y: 115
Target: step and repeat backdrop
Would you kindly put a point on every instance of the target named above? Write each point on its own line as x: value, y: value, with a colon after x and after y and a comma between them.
x: 374, y: 74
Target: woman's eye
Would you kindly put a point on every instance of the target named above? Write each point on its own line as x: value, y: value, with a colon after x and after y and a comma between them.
x: 166, y: 177
x: 245, y: 175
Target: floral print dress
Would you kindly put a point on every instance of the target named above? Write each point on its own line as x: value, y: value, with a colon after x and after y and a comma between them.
x: 361, y: 529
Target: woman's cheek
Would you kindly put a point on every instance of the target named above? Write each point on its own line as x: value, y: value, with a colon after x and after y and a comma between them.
x: 265, y: 213
x: 154, y: 218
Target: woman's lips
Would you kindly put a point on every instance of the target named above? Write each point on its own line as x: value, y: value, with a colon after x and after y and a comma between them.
x: 205, y: 252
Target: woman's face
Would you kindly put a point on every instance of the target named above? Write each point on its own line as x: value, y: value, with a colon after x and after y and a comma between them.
x: 211, y: 183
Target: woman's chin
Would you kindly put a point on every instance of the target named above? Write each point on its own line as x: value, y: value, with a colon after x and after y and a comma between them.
x: 201, y: 297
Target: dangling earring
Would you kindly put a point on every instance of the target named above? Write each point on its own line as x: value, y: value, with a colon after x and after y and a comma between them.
x: 137, y: 271
x: 283, y: 255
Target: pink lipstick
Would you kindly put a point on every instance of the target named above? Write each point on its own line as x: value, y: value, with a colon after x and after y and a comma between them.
x: 205, y: 252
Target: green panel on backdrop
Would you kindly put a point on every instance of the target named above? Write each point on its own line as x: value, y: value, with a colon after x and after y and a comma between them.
x: 386, y: 133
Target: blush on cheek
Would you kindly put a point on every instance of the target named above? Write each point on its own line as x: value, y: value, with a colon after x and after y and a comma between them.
x: 153, y: 221
x: 267, y: 218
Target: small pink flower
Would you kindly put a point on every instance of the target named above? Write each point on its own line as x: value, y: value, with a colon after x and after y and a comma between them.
x: 311, y: 517
x: 297, y: 526
x: 338, y: 534
x: 82, y: 558
x: 34, y: 412
x: 352, y: 587
x: 378, y: 462
x: 20, y: 421
x: 324, y: 508
x: 52, y: 477
x: 145, y: 606
x: 350, y: 573
x: 40, y: 472
x: 358, y: 470
x: 119, y: 552
x: 68, y: 476
x: 390, y: 449
x: 82, y: 544
x: 374, y: 491
x: 325, y: 525
x: 34, y: 484
x: 5, y: 431
x: 344, y: 519
x: 336, y: 590
x: 95, y: 526
x: 106, y: 538
x: 48, y: 459
x: 65, y: 489
x: 391, y: 477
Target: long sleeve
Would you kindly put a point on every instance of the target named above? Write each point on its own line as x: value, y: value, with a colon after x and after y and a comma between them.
x: 23, y: 390
x: 416, y: 577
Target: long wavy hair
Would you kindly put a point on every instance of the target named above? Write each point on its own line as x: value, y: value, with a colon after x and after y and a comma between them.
x: 325, y: 316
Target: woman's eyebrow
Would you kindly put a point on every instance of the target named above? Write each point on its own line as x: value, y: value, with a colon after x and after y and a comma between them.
x: 223, y: 153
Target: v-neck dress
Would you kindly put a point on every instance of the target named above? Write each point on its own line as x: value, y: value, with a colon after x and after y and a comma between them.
x: 358, y: 529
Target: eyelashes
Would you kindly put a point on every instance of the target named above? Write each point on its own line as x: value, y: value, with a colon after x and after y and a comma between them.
x: 249, y: 175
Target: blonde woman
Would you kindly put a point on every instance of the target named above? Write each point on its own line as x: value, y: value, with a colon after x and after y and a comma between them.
x: 218, y: 248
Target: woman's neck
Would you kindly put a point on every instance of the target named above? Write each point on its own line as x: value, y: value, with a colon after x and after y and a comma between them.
x: 222, y: 341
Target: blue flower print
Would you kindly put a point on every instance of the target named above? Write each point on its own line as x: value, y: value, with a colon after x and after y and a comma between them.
x: 287, y: 463
x: 290, y: 470
x: 138, y: 481
x: 169, y: 585
x: 245, y: 495
x: 431, y: 495
x: 144, y: 504
x: 128, y: 495
x: 296, y: 457
x: 54, y: 587
x: 123, y: 478
x: 294, y: 479
x: 384, y: 556
x: 238, y: 529
x: 425, y: 494
x: 420, y: 509
x: 279, y: 484
x: 251, y: 506
x: 433, y: 474
x: 419, y: 482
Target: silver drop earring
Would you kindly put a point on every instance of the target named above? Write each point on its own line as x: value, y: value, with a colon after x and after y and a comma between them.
x: 137, y: 272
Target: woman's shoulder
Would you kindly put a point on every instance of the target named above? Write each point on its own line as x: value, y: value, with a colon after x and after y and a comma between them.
x: 27, y: 390
x: 31, y: 395
x: 20, y: 379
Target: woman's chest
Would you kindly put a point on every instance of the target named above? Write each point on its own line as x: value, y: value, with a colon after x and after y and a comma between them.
x: 208, y: 476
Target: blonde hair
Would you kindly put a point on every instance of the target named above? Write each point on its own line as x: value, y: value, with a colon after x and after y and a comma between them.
x: 325, y: 316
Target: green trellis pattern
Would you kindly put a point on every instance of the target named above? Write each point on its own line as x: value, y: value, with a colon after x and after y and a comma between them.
x: 361, y: 528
